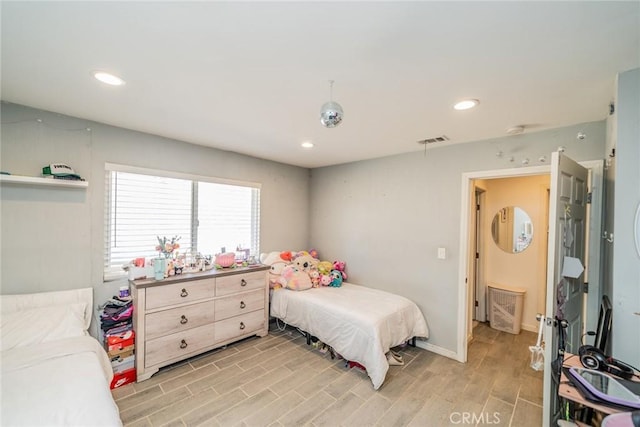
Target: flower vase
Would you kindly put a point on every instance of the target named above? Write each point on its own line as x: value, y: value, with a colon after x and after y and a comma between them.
x: 159, y: 268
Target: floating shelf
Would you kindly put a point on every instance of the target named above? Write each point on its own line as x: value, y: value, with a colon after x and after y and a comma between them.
x: 42, y: 182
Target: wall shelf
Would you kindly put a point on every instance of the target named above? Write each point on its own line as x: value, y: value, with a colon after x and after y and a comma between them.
x: 41, y: 182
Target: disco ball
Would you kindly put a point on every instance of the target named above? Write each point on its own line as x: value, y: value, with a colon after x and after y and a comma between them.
x: 331, y: 114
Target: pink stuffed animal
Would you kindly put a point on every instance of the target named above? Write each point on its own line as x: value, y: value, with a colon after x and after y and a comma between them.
x: 325, y: 279
x: 294, y: 279
x: 340, y: 266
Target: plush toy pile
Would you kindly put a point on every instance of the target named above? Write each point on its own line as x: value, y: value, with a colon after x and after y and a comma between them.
x: 302, y: 270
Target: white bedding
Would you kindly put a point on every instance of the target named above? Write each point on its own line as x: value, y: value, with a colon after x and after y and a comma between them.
x: 53, y: 372
x: 61, y: 383
x: 360, y: 323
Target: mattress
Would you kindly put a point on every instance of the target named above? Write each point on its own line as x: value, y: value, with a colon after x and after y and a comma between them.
x: 53, y: 372
x: 360, y: 323
x: 59, y: 383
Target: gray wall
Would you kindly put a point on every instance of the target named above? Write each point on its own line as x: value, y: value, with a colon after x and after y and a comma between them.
x: 384, y: 217
x: 625, y: 280
x: 52, y: 238
x: 387, y: 217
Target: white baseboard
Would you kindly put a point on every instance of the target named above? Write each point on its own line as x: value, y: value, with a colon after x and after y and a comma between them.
x: 438, y: 350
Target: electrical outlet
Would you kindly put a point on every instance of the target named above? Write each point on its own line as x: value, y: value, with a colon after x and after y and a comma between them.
x: 442, y: 253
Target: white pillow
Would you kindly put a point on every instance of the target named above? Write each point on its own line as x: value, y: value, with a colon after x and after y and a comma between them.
x: 13, y: 303
x: 42, y: 324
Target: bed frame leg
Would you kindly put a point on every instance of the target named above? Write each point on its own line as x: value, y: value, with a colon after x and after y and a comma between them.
x: 413, y: 342
x: 308, y: 335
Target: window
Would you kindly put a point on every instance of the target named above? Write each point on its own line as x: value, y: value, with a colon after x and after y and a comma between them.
x: 207, y: 214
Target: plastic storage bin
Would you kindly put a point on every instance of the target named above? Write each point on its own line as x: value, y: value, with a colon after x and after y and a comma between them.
x: 505, y: 308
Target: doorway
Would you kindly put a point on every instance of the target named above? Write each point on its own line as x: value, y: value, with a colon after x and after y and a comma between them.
x: 465, y: 292
x: 560, y: 174
x: 509, y: 243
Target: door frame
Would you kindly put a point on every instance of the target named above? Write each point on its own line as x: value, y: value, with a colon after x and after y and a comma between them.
x: 479, y: 299
x: 468, y: 196
x: 467, y: 201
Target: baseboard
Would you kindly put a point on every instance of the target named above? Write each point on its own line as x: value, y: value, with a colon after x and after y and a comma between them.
x: 530, y: 328
x: 438, y: 350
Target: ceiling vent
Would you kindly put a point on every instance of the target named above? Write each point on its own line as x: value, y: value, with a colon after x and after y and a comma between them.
x: 442, y: 138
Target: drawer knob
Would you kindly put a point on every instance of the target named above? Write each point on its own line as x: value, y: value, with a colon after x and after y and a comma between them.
x: 243, y: 282
x: 242, y: 304
x: 183, y: 319
x: 183, y: 344
x: 184, y: 293
x: 242, y: 325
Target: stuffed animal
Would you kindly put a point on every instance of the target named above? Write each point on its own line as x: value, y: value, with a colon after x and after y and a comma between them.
x: 277, y: 261
x: 314, y: 253
x: 286, y: 255
x: 324, y: 267
x: 325, y: 279
x: 295, y: 279
x: 315, y: 278
x: 305, y: 262
x: 340, y: 266
x: 336, y: 278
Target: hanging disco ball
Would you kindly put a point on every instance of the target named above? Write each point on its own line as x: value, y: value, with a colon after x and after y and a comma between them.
x: 331, y: 114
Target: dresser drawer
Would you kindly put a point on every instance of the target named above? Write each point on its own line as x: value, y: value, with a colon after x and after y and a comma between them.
x: 179, y: 293
x: 239, y: 325
x: 179, y: 345
x: 178, y: 319
x: 184, y: 316
x: 240, y: 282
x: 234, y: 305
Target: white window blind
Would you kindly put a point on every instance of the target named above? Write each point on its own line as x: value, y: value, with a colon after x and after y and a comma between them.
x: 207, y: 216
x: 225, y: 216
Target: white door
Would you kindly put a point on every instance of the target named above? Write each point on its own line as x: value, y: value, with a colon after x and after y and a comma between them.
x: 567, y: 210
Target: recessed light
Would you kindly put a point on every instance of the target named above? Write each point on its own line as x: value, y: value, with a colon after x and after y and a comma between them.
x: 466, y: 104
x: 109, y: 79
x: 307, y: 144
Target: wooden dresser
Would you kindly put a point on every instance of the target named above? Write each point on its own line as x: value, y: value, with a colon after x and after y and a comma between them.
x: 188, y: 314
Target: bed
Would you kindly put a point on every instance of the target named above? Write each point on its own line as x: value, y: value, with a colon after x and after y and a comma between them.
x: 53, y: 372
x: 359, y: 323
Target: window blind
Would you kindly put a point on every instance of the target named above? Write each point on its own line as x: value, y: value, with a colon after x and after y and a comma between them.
x: 207, y: 216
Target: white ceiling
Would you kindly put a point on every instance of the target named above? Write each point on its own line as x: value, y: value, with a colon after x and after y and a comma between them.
x: 251, y: 77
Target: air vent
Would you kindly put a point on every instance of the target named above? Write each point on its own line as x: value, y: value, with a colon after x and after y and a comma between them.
x: 442, y: 138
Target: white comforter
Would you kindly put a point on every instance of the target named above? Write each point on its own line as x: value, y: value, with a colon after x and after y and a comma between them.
x: 360, y: 323
x: 77, y: 374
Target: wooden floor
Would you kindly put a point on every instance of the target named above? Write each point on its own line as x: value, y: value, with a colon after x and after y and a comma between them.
x: 280, y: 381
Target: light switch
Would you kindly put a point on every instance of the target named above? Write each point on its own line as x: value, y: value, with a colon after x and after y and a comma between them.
x: 442, y: 253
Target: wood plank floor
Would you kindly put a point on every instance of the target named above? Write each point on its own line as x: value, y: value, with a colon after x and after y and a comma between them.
x: 280, y: 381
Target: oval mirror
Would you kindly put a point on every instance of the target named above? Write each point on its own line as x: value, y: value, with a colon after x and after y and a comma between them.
x: 512, y: 229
